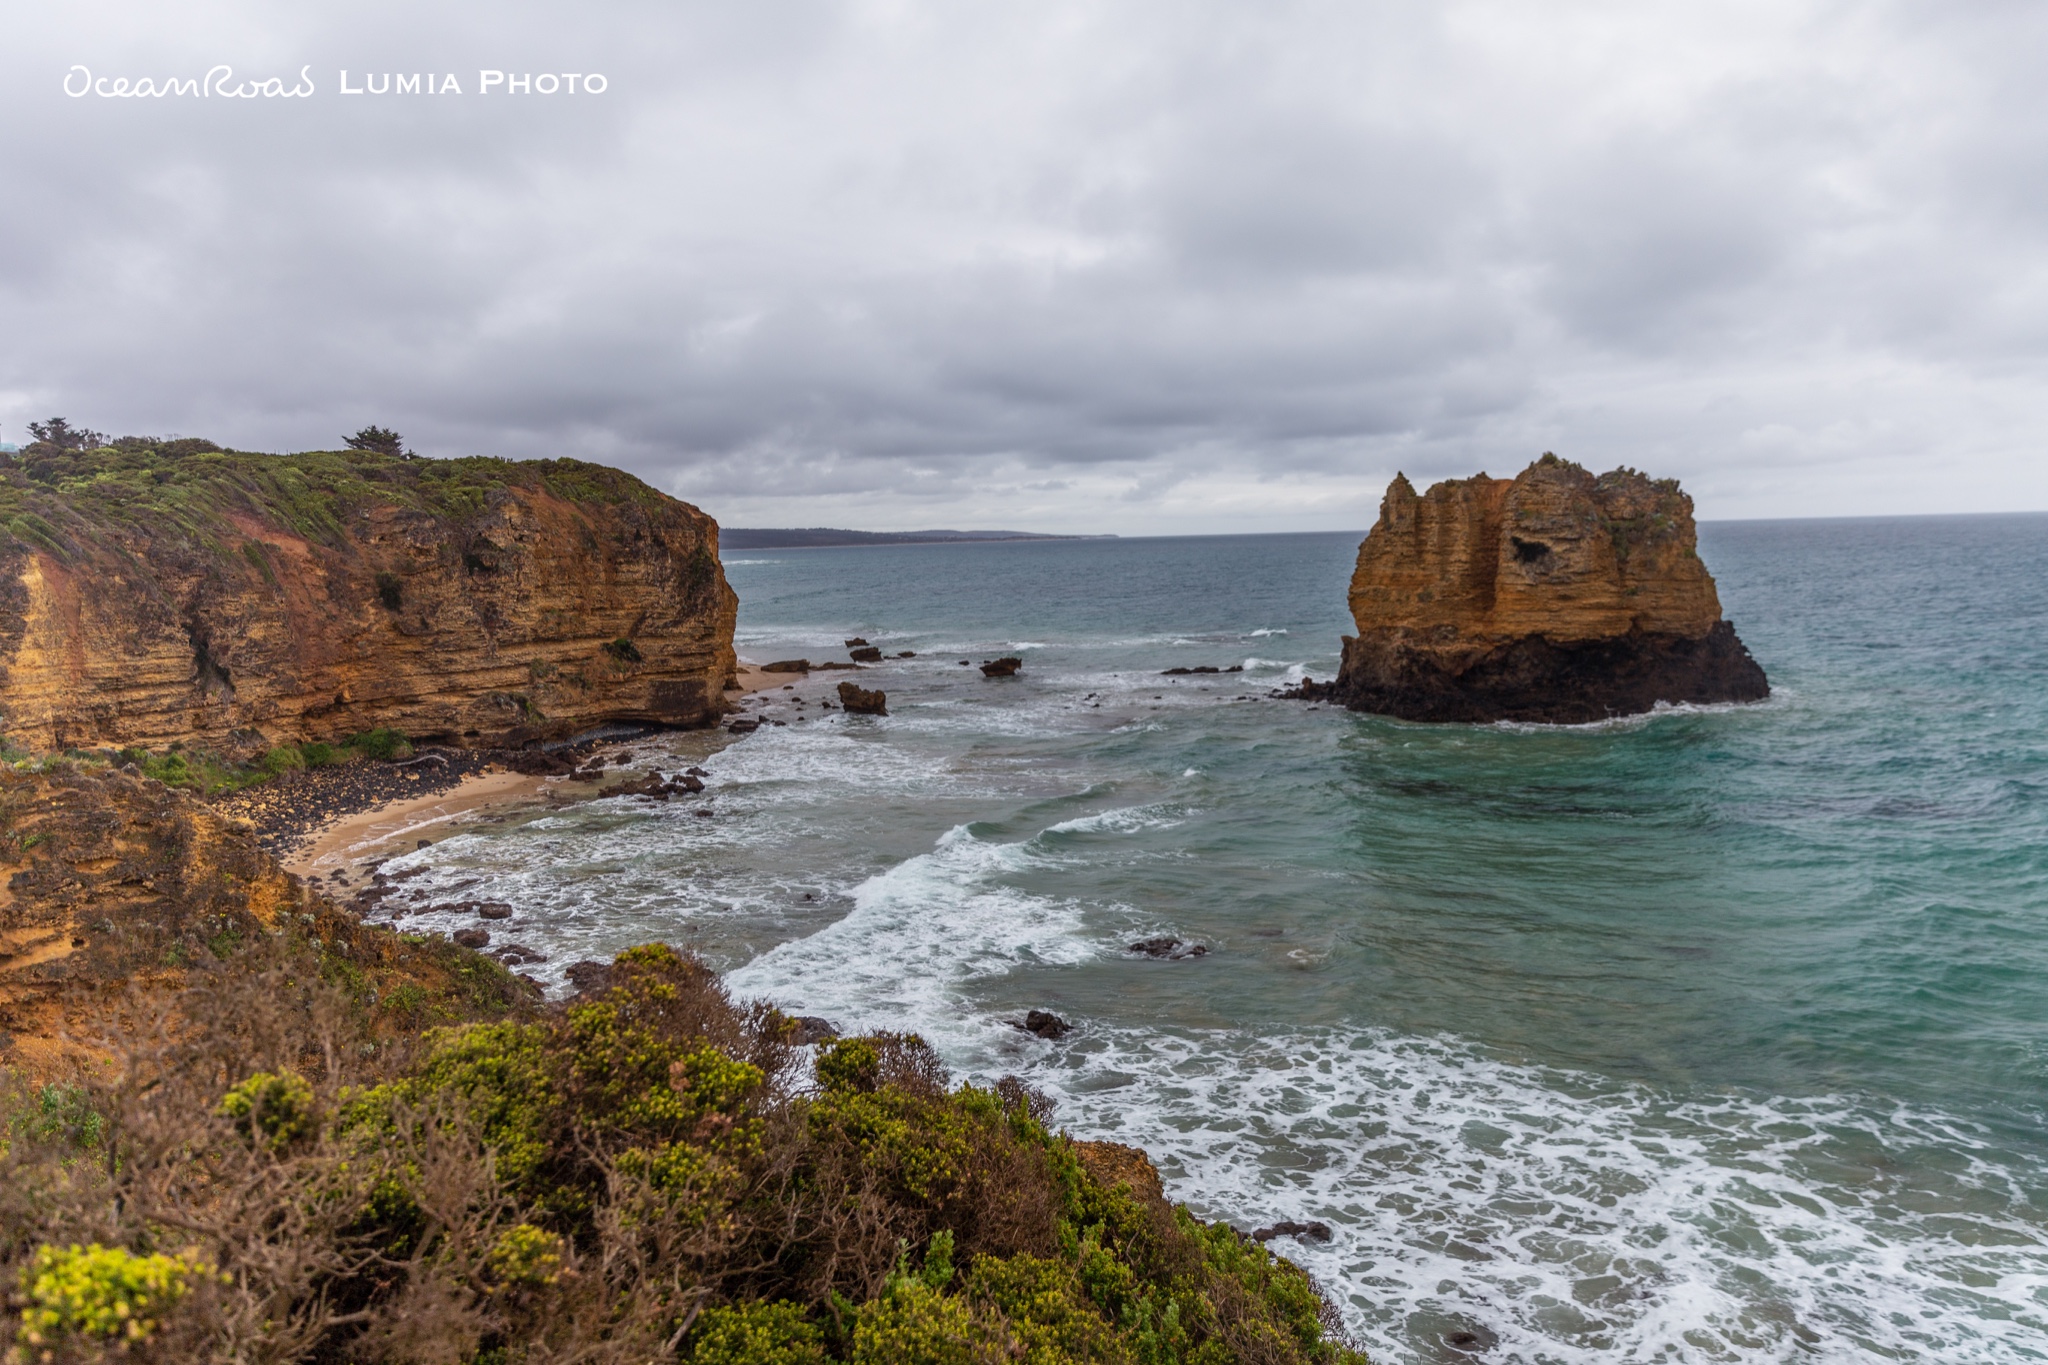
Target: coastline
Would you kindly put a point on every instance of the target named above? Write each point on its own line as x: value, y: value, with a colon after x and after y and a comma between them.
x: 355, y: 838
x: 348, y: 839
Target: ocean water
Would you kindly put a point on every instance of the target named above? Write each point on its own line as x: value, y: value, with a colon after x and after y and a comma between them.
x: 1719, y: 1034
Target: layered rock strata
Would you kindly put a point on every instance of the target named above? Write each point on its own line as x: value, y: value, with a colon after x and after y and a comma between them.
x: 1554, y: 596
x: 174, y: 592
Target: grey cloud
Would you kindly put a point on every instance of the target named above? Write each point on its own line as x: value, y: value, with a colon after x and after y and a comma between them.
x: 1162, y: 264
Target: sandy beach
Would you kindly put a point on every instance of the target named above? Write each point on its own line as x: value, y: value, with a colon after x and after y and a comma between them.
x: 368, y: 836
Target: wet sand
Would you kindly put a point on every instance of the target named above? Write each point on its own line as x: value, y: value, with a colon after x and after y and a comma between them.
x: 353, y: 840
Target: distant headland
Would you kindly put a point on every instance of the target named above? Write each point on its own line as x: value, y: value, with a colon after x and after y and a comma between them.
x: 814, y: 537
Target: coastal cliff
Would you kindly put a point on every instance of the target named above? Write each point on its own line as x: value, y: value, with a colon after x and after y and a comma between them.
x: 173, y: 592
x: 1554, y: 596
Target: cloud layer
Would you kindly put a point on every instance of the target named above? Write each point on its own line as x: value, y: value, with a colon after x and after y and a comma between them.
x: 1156, y: 266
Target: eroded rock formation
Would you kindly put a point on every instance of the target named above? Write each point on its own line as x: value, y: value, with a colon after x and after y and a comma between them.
x: 176, y: 592
x: 1554, y: 596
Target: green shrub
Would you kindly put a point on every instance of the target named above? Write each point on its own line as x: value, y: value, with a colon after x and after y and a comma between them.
x: 623, y: 651
x: 318, y: 755
x: 102, y: 1292
x: 383, y: 744
x: 526, y: 1255
x: 271, y: 1106
x: 283, y: 759
x: 756, y: 1334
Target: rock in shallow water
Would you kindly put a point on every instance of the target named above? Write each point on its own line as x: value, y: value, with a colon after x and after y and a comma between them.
x: 1005, y: 667
x: 811, y: 1029
x: 471, y: 938
x: 1306, y: 1232
x: 1044, y: 1024
x: 861, y: 701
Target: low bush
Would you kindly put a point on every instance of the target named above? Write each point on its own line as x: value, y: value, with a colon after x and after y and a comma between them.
x: 283, y: 759
x: 319, y: 755
x: 383, y: 744
x: 646, y: 1173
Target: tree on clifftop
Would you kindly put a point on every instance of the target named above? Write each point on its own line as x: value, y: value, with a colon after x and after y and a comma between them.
x: 382, y: 440
x: 64, y: 436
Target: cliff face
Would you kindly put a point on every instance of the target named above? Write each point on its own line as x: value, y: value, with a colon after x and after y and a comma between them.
x: 1554, y: 596
x: 110, y: 881
x: 176, y: 592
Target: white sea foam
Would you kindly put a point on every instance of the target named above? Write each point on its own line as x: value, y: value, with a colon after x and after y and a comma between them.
x: 1576, y: 1222
x: 1572, y: 1219
x: 917, y: 933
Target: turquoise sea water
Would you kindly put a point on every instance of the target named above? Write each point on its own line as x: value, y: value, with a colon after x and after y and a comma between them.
x: 1718, y: 1034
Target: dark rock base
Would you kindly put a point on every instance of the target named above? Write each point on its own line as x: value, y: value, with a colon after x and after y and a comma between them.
x: 1534, y: 680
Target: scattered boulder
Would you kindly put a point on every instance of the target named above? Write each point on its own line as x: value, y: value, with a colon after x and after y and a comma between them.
x: 1044, y: 1024
x: 471, y: 938
x: 743, y: 725
x: 1203, y: 668
x: 860, y: 701
x: 493, y: 910
x: 833, y: 663
x: 867, y: 654
x: 1005, y: 667
x: 518, y: 955
x: 1305, y: 1232
x: 697, y: 772
x: 856, y: 643
x: 589, y: 977
x: 810, y: 1029
x: 787, y: 666
x: 534, y: 763
x: 906, y: 654
x: 1169, y: 949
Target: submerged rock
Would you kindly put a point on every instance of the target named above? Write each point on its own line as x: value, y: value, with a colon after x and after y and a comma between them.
x: 1005, y: 667
x: 1554, y: 597
x: 787, y: 666
x: 865, y: 654
x: 471, y: 938
x: 861, y: 701
x: 1168, y: 948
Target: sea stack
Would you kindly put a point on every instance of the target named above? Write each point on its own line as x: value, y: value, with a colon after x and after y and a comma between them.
x: 1551, y: 597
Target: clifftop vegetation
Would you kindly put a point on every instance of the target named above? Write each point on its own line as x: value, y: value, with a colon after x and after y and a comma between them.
x: 52, y: 494
x: 653, y: 1172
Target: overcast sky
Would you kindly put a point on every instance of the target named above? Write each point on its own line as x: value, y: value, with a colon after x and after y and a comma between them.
x: 1147, y: 267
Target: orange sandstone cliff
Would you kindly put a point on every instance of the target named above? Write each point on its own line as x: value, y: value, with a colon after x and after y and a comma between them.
x: 1554, y: 596
x: 160, y: 592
